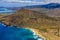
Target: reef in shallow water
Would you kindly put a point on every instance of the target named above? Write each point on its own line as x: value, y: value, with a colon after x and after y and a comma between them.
x: 12, y: 33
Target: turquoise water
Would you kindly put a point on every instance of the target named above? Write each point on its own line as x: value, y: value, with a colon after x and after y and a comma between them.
x: 6, y: 10
x: 13, y: 33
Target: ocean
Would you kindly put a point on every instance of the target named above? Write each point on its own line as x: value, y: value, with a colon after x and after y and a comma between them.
x: 7, y: 10
x: 17, y: 33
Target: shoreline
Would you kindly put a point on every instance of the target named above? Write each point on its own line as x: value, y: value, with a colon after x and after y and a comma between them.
x: 37, y: 32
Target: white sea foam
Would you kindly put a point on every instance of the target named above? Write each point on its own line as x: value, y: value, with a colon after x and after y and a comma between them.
x: 40, y: 39
x: 4, y: 24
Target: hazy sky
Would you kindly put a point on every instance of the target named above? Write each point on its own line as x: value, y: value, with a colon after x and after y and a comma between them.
x: 58, y: 1
x: 17, y: 3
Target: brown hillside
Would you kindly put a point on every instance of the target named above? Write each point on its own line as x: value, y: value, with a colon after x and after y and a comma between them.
x: 47, y: 26
x: 29, y: 18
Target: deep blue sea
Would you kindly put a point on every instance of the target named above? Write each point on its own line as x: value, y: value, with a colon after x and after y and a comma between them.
x: 15, y: 33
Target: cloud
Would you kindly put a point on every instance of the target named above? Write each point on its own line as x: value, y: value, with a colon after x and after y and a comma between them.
x: 20, y: 3
x: 33, y: 1
x: 25, y: 1
x: 22, y: 0
x: 52, y: 1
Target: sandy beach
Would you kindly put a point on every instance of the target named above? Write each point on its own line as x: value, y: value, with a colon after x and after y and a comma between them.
x: 45, y: 36
x: 37, y: 32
